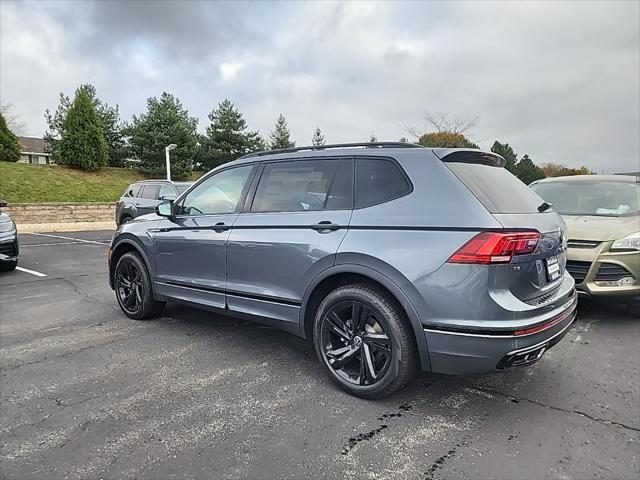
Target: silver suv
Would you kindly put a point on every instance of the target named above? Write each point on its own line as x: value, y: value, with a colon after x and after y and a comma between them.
x: 390, y: 257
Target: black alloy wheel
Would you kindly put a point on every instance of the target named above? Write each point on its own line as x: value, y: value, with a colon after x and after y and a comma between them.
x: 364, y: 341
x: 132, y: 284
x: 355, y: 343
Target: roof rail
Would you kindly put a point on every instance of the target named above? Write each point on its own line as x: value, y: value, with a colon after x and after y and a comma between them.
x: 336, y: 145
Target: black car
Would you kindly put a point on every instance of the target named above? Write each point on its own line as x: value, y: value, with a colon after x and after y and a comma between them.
x: 142, y: 197
x: 8, y: 241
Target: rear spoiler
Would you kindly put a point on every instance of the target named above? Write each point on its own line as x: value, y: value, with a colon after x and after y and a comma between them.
x: 467, y: 155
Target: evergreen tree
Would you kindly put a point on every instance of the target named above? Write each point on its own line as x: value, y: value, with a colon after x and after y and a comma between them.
x: 404, y: 140
x: 112, y: 127
x: 9, y: 144
x: 83, y: 145
x: 280, y: 137
x: 318, y: 138
x: 527, y: 171
x: 505, y: 150
x: 227, y: 137
x: 373, y: 138
x: 164, y: 123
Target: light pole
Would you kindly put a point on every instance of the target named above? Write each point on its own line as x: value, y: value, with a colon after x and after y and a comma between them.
x: 167, y: 149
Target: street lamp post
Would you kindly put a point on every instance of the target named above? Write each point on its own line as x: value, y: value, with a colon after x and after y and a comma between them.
x: 167, y: 149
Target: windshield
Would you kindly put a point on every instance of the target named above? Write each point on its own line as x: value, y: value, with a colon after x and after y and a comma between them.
x: 591, y: 197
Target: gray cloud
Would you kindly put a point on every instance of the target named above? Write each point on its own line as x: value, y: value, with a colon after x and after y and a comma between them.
x: 559, y: 81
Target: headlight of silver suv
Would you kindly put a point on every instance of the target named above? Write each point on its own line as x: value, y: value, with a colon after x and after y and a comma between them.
x: 630, y: 243
x: 7, y: 227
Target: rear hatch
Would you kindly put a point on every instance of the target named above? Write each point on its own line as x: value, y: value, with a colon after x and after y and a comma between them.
x: 529, y: 273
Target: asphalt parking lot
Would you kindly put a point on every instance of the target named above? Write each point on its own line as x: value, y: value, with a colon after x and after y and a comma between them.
x: 88, y: 393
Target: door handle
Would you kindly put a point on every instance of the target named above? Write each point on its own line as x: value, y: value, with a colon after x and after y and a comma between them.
x: 221, y: 227
x: 325, y: 226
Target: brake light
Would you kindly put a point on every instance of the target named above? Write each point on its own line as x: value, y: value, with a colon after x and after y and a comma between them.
x: 496, y: 247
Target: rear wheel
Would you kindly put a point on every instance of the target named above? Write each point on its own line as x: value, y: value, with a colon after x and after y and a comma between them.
x: 133, y: 288
x: 364, y: 341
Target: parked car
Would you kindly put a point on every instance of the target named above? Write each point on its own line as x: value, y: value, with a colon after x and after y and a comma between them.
x: 390, y: 257
x: 9, y: 249
x: 602, y: 213
x: 142, y: 197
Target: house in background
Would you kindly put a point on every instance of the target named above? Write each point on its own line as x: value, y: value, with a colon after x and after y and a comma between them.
x: 32, y: 150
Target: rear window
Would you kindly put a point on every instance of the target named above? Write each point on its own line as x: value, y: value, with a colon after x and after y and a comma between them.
x: 379, y: 180
x: 496, y: 188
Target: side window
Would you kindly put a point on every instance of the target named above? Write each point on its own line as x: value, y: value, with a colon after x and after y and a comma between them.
x: 132, y: 190
x: 378, y: 180
x: 219, y: 193
x: 166, y: 193
x: 150, y: 192
x: 304, y: 185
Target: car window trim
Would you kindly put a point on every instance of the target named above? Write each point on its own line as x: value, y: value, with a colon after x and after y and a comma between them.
x: 379, y: 157
x: 241, y: 200
x: 252, y: 195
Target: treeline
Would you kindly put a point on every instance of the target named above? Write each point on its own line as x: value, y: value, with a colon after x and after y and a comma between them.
x: 87, y: 133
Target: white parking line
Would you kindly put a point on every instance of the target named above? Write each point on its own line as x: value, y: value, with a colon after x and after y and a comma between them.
x: 32, y: 272
x: 81, y: 240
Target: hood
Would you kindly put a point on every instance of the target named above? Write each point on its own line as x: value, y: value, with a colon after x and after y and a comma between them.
x: 601, y: 229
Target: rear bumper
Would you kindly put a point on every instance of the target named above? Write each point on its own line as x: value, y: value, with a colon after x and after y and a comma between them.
x: 461, y: 353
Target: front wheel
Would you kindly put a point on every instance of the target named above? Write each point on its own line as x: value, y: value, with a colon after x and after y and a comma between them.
x: 133, y: 288
x: 364, y: 341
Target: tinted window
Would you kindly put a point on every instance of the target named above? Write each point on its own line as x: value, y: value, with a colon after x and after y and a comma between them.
x: 302, y: 185
x: 167, y: 193
x: 341, y: 191
x: 182, y: 188
x: 132, y: 190
x: 150, y: 192
x: 496, y: 188
x: 379, y: 180
x: 219, y: 193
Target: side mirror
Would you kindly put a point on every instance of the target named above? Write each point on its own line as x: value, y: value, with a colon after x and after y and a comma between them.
x: 165, y: 209
x: 167, y: 197
x: 3, y: 203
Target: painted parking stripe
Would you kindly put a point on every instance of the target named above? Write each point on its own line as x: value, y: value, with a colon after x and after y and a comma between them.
x: 32, y: 272
x: 80, y: 240
x: 55, y: 244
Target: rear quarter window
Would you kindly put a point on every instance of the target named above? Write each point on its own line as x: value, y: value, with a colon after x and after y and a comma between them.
x: 496, y: 188
x: 379, y: 180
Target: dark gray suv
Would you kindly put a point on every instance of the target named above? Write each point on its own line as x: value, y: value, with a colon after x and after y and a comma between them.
x: 142, y: 197
x: 390, y: 257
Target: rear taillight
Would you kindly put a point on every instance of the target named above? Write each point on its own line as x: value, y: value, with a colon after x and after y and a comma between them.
x: 494, y: 247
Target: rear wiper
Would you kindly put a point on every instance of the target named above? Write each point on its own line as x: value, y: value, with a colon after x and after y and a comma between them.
x: 544, y: 207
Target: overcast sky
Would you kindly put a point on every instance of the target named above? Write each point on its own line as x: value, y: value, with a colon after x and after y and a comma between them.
x: 559, y: 81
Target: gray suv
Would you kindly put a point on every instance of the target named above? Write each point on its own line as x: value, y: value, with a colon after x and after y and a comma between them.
x: 142, y: 197
x: 390, y: 257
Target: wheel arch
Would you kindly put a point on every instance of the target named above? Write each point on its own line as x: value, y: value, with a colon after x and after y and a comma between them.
x: 121, y: 247
x: 344, y: 274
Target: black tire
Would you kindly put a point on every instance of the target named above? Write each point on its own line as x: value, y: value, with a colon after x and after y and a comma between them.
x: 8, y: 266
x: 376, y: 366
x: 132, y: 284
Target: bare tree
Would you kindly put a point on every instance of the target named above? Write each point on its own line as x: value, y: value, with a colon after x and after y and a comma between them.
x: 442, y: 122
x: 17, y: 126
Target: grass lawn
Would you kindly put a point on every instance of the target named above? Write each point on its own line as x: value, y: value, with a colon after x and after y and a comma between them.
x: 23, y: 183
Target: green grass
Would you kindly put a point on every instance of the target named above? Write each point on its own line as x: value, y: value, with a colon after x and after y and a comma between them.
x: 23, y: 183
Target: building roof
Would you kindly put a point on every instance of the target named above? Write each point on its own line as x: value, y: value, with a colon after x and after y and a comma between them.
x: 32, y: 145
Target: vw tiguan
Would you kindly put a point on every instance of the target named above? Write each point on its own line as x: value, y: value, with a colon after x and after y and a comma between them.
x: 390, y: 257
